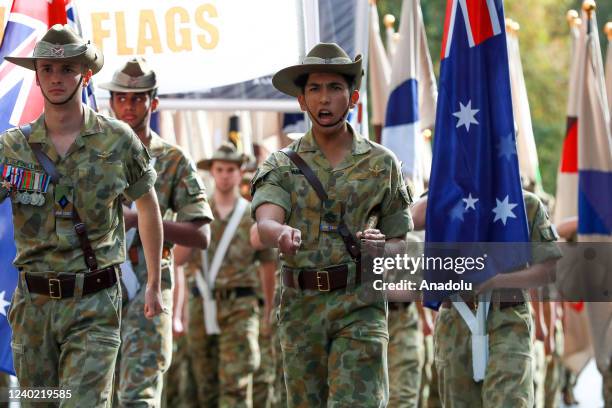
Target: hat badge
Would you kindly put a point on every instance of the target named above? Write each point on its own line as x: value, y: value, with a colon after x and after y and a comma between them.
x: 58, y: 51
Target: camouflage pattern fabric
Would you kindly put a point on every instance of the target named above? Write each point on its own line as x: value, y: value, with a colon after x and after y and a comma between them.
x: 263, y: 378
x: 68, y: 343
x: 203, y: 351
x: 179, y: 386
x: 73, y: 342
x: 368, y: 177
x: 146, y: 352
x: 280, y: 389
x: 144, y: 359
x: 428, y: 393
x: 406, y: 357
x: 241, y: 262
x: 539, y: 373
x: 509, y: 374
x: 180, y: 193
x: 554, y: 370
x: 334, y: 344
x: 105, y: 161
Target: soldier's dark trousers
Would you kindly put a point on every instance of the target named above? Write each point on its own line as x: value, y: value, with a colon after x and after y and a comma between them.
x: 68, y: 343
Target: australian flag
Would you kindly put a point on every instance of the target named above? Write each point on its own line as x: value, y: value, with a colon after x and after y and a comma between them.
x: 20, y: 102
x: 475, y: 190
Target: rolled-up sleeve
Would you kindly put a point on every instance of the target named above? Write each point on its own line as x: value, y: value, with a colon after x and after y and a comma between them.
x: 189, y: 197
x: 267, y: 187
x: 395, y: 220
x: 139, y: 173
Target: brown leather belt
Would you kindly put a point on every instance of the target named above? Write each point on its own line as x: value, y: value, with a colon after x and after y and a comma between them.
x: 517, y: 295
x: 323, y: 280
x: 63, y: 287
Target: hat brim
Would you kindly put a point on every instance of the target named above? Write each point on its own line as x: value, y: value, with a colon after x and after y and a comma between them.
x: 206, y: 164
x: 110, y: 86
x: 284, y: 80
x: 91, y: 57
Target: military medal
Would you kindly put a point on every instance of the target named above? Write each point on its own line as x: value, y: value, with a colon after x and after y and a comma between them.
x: 25, y: 198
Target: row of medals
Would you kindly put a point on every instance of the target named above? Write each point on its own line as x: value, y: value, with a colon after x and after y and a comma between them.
x: 30, y: 198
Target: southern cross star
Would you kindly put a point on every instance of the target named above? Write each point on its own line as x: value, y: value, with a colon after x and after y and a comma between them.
x: 466, y: 115
x: 469, y: 202
x: 503, y: 210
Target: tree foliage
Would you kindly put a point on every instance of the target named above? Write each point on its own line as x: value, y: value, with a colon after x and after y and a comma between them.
x: 545, y: 53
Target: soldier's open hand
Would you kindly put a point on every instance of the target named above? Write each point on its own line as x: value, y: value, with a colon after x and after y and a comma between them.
x: 153, y: 302
x: 289, y: 240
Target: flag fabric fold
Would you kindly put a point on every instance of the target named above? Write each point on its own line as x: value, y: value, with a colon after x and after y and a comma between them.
x: 527, y: 153
x: 379, y: 70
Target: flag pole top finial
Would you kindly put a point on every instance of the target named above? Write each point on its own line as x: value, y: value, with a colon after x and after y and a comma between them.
x: 571, y: 16
x: 389, y: 20
x: 427, y: 134
x: 608, y: 30
x: 589, y: 6
x: 372, y: 2
x: 512, y: 26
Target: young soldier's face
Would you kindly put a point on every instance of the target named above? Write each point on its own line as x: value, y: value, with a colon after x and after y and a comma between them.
x: 58, y: 79
x: 134, y: 108
x: 327, y: 98
x: 227, y: 175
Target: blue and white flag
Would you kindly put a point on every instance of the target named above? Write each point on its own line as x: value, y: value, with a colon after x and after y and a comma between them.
x: 8, y: 282
x: 411, y: 80
x: 475, y: 191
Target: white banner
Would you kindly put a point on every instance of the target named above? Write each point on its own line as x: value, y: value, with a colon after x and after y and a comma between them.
x: 194, y: 45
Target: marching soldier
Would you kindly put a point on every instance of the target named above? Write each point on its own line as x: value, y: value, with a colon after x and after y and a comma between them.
x: 313, y: 201
x: 146, y: 345
x: 66, y: 173
x: 509, y: 373
x: 224, y: 308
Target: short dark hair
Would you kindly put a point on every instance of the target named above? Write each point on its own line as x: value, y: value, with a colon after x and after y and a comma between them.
x: 301, y: 81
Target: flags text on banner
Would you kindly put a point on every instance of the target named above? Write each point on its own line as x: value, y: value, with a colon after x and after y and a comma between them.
x: 475, y: 192
x: 20, y: 102
x: 194, y: 46
x: 402, y: 130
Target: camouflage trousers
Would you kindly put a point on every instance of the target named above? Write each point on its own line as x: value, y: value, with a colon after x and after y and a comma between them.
x: 428, y: 393
x: 70, y: 343
x: 146, y: 352
x: 509, y: 378
x: 539, y: 373
x: 554, y: 371
x: 263, y: 378
x: 223, y: 365
x: 179, y: 387
x: 334, y: 348
x: 405, y: 356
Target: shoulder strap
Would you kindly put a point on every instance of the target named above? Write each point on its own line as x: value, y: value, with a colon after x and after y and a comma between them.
x: 350, y: 242
x: 226, y: 238
x: 79, y: 226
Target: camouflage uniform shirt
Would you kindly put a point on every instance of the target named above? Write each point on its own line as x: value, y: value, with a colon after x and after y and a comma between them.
x: 239, y: 267
x: 367, y: 178
x: 180, y: 193
x: 105, y: 161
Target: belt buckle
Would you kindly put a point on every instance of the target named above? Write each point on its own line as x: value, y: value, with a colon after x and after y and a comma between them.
x: 55, y: 282
x: 320, y: 286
